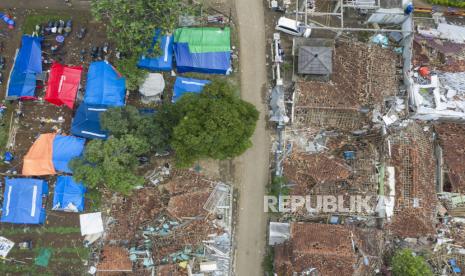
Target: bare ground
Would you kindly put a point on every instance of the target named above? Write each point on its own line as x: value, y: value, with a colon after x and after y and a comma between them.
x: 252, y: 167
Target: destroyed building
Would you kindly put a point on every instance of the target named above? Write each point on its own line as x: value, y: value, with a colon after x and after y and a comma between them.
x: 410, y: 153
x: 181, y: 225
x: 362, y: 77
x: 327, y: 250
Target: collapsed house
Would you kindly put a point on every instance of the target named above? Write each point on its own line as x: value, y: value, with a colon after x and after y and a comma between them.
x: 362, y: 77
x: 182, y: 226
x: 410, y: 156
x: 328, y: 250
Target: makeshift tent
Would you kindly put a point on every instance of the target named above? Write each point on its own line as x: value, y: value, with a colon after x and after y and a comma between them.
x: 187, y: 85
x: 152, y: 88
x: 68, y: 195
x: 28, y: 63
x: 23, y: 200
x: 66, y: 148
x: 203, y: 50
x: 163, y: 62
x: 63, y: 84
x: 38, y: 160
x: 105, y: 86
x: 51, y: 153
x: 86, y: 122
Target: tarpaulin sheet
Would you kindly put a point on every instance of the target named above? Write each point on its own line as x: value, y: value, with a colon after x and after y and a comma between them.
x: 38, y: 160
x: 164, y: 62
x: 66, y: 148
x: 68, y: 195
x: 204, y: 40
x: 105, y: 86
x: 63, y: 84
x: 21, y: 85
x: 203, y: 50
x: 22, y: 201
x: 187, y: 85
x: 86, y: 122
x: 29, y: 59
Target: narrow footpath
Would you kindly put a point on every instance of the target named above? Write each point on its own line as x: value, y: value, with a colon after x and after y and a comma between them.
x: 252, y: 167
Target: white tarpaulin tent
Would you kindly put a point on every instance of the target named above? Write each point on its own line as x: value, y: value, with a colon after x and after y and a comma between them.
x: 91, y: 223
x: 152, y: 87
x: 5, y: 246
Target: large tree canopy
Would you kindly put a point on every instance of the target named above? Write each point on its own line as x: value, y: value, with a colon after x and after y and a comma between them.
x: 213, y: 124
x: 111, y: 163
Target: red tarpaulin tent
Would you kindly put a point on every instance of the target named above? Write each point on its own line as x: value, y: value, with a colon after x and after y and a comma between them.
x: 63, y: 84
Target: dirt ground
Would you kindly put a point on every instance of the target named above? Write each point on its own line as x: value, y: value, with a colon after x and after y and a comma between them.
x: 252, y: 168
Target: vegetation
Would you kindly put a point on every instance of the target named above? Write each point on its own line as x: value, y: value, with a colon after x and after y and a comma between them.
x: 213, y: 124
x: 278, y: 187
x: 111, y: 164
x: 268, y: 261
x: 450, y: 3
x: 131, y: 25
x: 404, y: 263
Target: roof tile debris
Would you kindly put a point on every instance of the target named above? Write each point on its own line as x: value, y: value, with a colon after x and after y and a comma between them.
x: 189, y: 204
x: 452, y: 141
x: 113, y: 261
x: 328, y: 248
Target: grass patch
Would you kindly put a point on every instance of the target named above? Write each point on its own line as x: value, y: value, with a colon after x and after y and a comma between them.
x: 449, y: 3
x: 277, y: 186
x: 42, y: 230
x: 268, y: 261
x: 37, y: 19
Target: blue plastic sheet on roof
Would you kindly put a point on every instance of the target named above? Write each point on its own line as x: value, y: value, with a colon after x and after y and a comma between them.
x: 86, y: 122
x: 23, y: 200
x: 65, y: 148
x: 164, y: 62
x: 187, y: 85
x: 208, y: 63
x: 29, y: 59
x: 105, y: 86
x: 68, y: 195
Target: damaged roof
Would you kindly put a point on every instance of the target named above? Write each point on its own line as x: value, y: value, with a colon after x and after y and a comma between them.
x: 188, y: 204
x: 315, y: 60
x: 114, y: 259
x: 451, y: 138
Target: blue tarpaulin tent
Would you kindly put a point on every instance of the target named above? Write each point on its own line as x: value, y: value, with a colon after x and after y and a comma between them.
x: 187, y: 85
x: 28, y: 63
x: 66, y: 148
x: 68, y: 195
x: 22, y: 201
x: 86, y: 122
x: 164, y: 62
x: 204, y: 50
x: 105, y: 86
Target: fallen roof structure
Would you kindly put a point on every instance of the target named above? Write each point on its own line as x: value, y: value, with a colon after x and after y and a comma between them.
x: 325, y: 249
x: 363, y: 76
x: 411, y: 153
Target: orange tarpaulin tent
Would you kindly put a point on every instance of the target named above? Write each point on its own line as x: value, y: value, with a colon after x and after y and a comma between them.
x: 38, y: 160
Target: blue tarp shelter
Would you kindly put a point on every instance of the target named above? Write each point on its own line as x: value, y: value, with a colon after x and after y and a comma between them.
x: 105, y: 86
x: 68, y: 195
x: 187, y: 85
x: 164, y: 62
x: 22, y: 203
x: 204, y: 50
x: 28, y: 63
x: 86, y: 122
x: 65, y: 148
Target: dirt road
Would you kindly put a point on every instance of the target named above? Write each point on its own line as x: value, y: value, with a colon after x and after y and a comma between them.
x: 252, y: 167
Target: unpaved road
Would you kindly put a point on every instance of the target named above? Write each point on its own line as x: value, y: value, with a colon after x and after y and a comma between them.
x: 252, y: 167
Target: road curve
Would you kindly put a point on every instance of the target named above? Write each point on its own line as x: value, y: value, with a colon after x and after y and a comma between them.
x: 252, y: 167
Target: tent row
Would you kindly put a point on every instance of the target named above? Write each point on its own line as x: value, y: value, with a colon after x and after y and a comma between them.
x: 203, y: 50
x: 24, y: 199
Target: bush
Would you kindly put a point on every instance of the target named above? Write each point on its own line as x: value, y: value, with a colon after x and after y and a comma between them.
x: 404, y: 263
x: 450, y: 3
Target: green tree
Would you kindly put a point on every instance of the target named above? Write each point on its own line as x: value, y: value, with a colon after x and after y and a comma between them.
x: 131, y: 24
x: 111, y: 163
x: 155, y: 130
x: 404, y: 263
x: 213, y: 124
